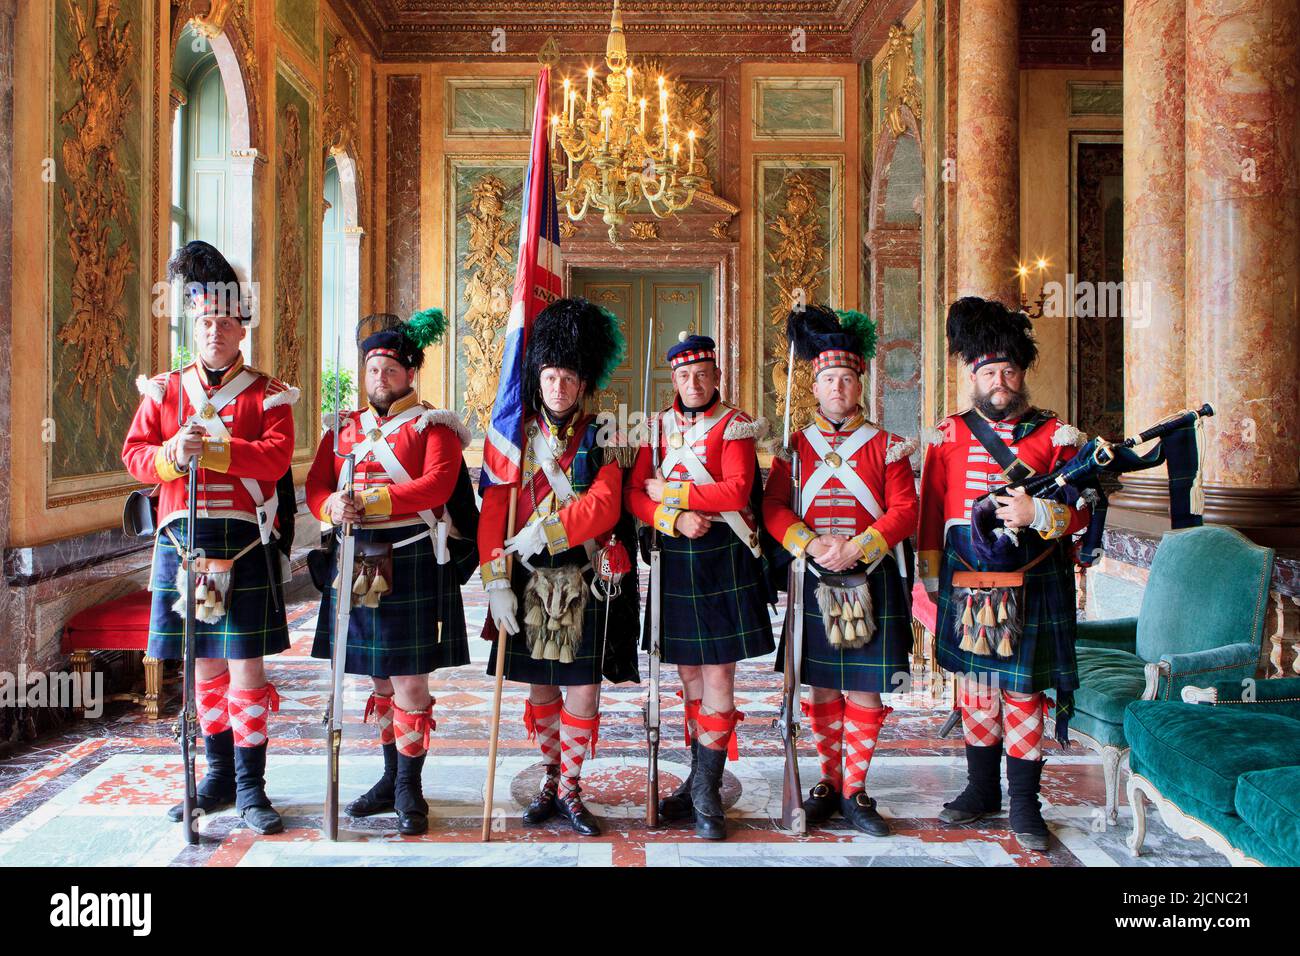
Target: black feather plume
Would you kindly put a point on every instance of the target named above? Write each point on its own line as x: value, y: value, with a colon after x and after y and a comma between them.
x: 806, y: 328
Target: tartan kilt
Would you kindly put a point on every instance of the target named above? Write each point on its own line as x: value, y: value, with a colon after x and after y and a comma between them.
x: 586, y: 666
x: 251, y: 626
x: 1044, y: 655
x: 714, y: 603
x: 418, y: 627
x: 873, y: 668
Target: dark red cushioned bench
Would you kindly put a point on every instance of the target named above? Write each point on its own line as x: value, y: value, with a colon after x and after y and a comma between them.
x: 118, y: 625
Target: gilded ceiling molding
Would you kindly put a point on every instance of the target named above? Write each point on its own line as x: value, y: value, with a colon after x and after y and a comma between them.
x: 340, y: 130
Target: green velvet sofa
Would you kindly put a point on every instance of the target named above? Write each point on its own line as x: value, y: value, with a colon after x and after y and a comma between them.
x: 1222, y: 766
x: 1201, y: 620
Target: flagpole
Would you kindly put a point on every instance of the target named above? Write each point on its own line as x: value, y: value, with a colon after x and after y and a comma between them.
x: 486, y: 835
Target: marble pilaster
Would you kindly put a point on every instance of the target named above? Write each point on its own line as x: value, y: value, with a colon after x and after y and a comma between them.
x: 1243, y: 248
x: 988, y: 149
x: 1154, y: 384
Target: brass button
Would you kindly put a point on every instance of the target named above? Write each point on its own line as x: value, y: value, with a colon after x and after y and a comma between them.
x: 374, y: 434
x: 833, y: 460
x: 676, y: 440
x: 208, y: 411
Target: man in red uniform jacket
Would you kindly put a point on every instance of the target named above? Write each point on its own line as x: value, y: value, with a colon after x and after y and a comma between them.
x: 408, y: 621
x: 857, y: 507
x: 1010, y: 641
x: 235, y: 425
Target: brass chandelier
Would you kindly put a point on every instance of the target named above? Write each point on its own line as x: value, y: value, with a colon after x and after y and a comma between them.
x: 614, y: 154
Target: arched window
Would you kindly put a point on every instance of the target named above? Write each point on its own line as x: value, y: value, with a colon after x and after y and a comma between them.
x: 201, y: 167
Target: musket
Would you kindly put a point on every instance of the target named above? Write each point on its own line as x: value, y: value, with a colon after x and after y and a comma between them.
x: 188, y: 723
x: 653, y: 596
x: 792, y: 815
x: 342, y: 613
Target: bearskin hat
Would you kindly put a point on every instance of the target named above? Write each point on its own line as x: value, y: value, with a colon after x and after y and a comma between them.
x: 576, y: 334
x: 384, y: 333
x: 831, y: 338
x: 212, y: 286
x: 981, y: 331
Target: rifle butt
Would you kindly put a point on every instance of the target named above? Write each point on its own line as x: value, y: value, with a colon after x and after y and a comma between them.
x: 652, y: 786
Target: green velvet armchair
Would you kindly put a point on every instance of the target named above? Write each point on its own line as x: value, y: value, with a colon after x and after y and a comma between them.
x: 1201, y: 621
x: 1227, y: 773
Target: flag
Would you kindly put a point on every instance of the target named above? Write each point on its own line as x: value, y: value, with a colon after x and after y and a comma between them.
x: 537, y: 285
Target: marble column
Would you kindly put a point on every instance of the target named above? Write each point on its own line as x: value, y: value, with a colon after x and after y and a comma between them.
x: 988, y: 149
x: 1243, y: 251
x: 1154, y: 384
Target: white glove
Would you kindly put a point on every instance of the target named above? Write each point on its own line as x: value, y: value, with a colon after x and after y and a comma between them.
x: 528, y: 542
x: 504, y: 608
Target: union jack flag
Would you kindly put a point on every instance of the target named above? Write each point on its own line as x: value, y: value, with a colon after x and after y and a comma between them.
x: 537, y: 285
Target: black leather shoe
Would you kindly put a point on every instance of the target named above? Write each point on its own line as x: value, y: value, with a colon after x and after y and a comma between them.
x: 216, y: 791
x: 860, y: 810
x: 379, y: 798
x: 677, y: 805
x: 823, y: 801
x: 408, y: 797
x: 570, y: 806
x: 250, y: 791
x: 983, y: 793
x: 1026, y: 817
x: 706, y: 794
x: 543, y: 806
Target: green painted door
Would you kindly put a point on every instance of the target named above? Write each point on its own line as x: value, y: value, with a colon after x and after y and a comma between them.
x: 674, y: 302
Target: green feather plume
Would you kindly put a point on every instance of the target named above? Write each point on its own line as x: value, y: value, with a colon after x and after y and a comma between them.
x: 426, y: 327
x: 859, y: 325
x: 617, y: 353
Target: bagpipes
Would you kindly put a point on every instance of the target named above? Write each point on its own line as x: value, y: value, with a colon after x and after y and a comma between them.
x: 986, y: 616
x: 1077, y: 481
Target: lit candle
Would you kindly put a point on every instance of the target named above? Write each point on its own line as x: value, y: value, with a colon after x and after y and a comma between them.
x: 590, y: 75
x: 1022, y: 272
x: 690, y: 138
x: 663, y: 119
x: 629, y: 84
x: 676, y: 147
x: 604, y: 122
x: 555, y: 124
x: 643, y: 116
x: 564, y: 108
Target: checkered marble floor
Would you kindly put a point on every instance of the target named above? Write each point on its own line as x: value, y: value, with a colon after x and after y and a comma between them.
x: 97, y: 795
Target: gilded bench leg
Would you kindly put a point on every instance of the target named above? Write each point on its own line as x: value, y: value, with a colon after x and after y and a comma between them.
x: 81, y: 668
x: 153, y: 673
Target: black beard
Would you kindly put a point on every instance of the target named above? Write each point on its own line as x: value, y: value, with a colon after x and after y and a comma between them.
x: 382, y: 408
x: 1018, y: 405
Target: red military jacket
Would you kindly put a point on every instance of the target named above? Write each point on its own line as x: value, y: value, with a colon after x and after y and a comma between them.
x: 259, y: 421
x: 881, y: 463
x: 726, y: 451
x: 958, y: 470
x: 592, y: 514
x: 427, y: 443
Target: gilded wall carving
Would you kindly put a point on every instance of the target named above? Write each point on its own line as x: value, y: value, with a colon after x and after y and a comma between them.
x: 99, y: 194
x: 902, y: 87
x: 796, y: 259
x: 296, y: 236
x: 489, y: 277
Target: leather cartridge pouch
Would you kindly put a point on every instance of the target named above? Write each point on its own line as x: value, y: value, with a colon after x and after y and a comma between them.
x: 140, y: 513
x: 989, y: 607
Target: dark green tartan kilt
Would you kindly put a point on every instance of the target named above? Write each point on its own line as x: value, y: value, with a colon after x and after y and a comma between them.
x: 251, y: 627
x: 586, y: 666
x: 419, y: 625
x: 1044, y: 655
x: 714, y: 607
x: 874, y: 668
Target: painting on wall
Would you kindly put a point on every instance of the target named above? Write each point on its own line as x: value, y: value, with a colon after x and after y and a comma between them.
x: 798, y: 108
x: 799, y: 251
x: 99, y: 298
x: 295, y: 162
x: 297, y: 18
x: 486, y: 196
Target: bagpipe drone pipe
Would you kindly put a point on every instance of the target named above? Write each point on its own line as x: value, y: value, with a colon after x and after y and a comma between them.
x: 1076, y: 482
